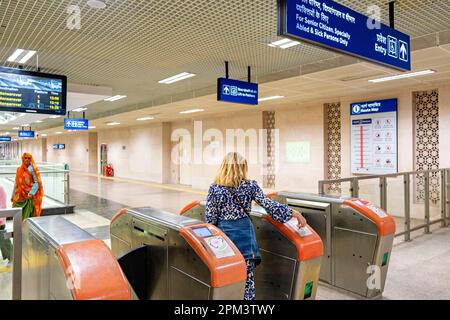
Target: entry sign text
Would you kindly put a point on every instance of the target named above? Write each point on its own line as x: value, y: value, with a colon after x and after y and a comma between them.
x: 374, y: 137
x: 336, y: 27
x: 237, y: 91
x: 76, y: 124
x: 26, y: 134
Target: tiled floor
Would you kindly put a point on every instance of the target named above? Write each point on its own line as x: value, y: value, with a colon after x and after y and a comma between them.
x: 418, y: 269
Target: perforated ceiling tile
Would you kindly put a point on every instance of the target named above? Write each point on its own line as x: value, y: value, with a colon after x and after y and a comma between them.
x: 132, y: 44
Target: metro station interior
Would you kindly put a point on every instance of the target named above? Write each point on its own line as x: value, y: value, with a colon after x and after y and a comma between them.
x: 116, y: 117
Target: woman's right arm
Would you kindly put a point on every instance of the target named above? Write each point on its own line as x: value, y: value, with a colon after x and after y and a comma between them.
x: 211, y: 207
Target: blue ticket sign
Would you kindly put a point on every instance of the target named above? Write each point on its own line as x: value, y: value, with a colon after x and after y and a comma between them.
x: 336, y: 27
x: 76, y: 124
x: 237, y: 91
x: 26, y: 134
x: 5, y: 139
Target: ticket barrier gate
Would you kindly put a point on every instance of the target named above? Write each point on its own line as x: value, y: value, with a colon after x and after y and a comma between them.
x: 166, y: 256
x: 291, y: 258
x: 357, y: 236
x: 60, y: 261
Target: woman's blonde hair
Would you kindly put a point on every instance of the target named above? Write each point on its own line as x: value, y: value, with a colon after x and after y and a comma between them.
x: 233, y: 170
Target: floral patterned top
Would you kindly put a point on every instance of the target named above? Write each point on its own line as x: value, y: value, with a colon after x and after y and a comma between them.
x: 226, y: 203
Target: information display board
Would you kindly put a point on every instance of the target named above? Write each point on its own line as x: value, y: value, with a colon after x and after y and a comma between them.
x: 236, y: 91
x: 331, y: 25
x: 32, y: 92
x: 374, y: 137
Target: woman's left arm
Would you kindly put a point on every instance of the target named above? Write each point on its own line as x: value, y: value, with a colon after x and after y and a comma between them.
x: 35, y: 186
x: 211, y: 215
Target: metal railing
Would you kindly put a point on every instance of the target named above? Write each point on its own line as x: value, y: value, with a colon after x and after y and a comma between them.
x: 429, y: 188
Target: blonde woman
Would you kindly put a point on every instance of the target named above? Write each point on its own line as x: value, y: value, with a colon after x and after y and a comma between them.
x: 228, y: 206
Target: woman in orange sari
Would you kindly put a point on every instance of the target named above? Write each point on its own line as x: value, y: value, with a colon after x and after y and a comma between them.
x: 28, y: 191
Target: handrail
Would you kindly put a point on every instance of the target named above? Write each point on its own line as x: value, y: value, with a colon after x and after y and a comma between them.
x: 444, y: 195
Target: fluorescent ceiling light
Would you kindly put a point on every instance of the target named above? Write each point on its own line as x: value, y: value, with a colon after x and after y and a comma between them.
x: 96, y: 4
x: 178, y: 77
x: 113, y: 123
x: 145, y: 118
x: 79, y: 109
x: 192, y: 111
x: 92, y: 127
x: 39, y: 121
x: 59, y: 132
x: 55, y: 117
x: 27, y: 56
x: 26, y: 125
x: 6, y: 133
x: 284, y: 43
x: 270, y: 98
x: 15, y: 55
x: 16, y: 128
x: 43, y: 135
x: 403, y: 76
x: 115, y: 98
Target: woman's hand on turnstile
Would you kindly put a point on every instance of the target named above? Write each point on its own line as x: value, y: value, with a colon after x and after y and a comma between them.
x: 301, y: 220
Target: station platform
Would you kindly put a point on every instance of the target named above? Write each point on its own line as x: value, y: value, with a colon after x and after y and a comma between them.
x: 418, y: 269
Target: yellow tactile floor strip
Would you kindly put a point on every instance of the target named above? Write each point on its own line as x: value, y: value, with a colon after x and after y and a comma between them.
x: 143, y: 183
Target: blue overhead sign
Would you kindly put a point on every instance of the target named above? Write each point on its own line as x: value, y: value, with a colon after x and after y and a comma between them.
x: 5, y: 139
x: 26, y: 134
x: 76, y: 124
x: 59, y: 146
x: 388, y: 105
x: 237, y: 91
x: 336, y: 27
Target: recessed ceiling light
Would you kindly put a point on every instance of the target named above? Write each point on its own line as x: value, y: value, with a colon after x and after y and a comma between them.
x: 113, y: 123
x: 192, y: 111
x: 16, y: 128
x: 145, y: 118
x: 270, y: 98
x: 284, y: 43
x: 43, y: 135
x: 79, y: 109
x: 96, y: 4
x: 15, y: 55
x: 59, y: 132
x: 39, y: 121
x: 115, y: 98
x: 26, y: 125
x: 92, y: 127
x: 403, y: 76
x: 6, y: 133
x: 27, y: 56
x: 55, y: 117
x: 177, y: 77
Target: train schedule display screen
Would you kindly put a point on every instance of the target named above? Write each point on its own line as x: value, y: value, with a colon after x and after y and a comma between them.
x: 32, y: 92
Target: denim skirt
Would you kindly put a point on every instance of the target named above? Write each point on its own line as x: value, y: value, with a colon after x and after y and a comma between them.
x: 242, y: 233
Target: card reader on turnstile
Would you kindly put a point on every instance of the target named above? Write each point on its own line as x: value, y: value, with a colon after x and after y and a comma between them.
x: 166, y: 256
x: 291, y: 257
x: 357, y: 237
x: 60, y: 261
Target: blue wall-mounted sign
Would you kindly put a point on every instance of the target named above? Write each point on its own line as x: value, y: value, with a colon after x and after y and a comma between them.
x: 76, y: 124
x: 59, y: 146
x: 388, y: 105
x: 26, y: 134
x: 336, y: 27
x: 237, y: 91
x: 5, y: 139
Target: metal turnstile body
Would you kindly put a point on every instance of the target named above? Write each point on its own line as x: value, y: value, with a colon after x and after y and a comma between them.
x: 60, y: 261
x: 166, y: 256
x: 290, y: 265
x: 357, y: 238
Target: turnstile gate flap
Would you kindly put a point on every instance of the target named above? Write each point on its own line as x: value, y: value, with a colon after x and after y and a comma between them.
x: 384, y: 221
x: 92, y: 271
x: 309, y: 246
x: 221, y: 256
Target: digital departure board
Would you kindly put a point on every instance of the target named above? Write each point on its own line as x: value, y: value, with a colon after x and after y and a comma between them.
x: 32, y: 92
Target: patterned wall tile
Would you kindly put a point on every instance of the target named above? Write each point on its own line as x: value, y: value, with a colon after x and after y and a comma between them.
x: 269, y: 172
x: 333, y: 150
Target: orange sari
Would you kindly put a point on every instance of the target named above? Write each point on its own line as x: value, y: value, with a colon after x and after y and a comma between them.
x: 24, y: 183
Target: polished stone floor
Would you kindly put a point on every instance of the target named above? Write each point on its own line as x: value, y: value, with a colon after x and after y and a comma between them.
x: 418, y: 269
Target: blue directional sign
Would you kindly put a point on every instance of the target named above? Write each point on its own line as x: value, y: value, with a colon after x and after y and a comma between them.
x: 237, y: 91
x: 59, y: 146
x: 76, y: 124
x: 331, y: 25
x: 379, y: 106
x: 26, y: 134
x: 5, y: 139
